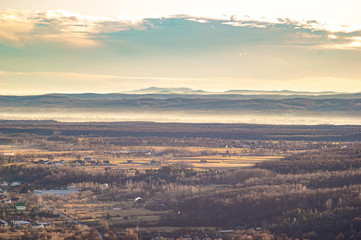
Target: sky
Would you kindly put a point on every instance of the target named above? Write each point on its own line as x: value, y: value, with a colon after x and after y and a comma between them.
x: 116, y: 46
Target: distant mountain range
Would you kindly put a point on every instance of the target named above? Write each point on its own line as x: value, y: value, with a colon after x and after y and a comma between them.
x: 156, y: 90
x: 188, y: 100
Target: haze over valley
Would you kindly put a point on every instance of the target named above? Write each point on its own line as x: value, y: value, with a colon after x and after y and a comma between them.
x: 187, y: 105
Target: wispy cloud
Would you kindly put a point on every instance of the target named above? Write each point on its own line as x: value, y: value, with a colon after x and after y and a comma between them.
x: 21, y: 27
x: 60, y: 26
x: 344, y: 43
x: 285, y: 31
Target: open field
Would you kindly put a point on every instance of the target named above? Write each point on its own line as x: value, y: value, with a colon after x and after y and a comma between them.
x: 197, y: 162
x: 221, y: 161
x: 148, y: 157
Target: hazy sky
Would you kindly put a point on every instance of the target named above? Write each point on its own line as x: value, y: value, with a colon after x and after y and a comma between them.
x: 115, y: 46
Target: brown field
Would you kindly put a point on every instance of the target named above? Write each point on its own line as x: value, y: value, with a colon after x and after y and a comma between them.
x: 220, y: 161
x: 217, y: 161
x: 219, y: 158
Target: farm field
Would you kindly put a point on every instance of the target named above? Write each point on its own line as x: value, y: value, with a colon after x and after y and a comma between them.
x: 221, y: 161
x: 147, y: 157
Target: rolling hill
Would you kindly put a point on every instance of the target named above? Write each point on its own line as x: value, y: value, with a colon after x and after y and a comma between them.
x: 211, y: 104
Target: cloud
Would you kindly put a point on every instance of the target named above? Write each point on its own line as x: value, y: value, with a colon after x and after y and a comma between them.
x: 285, y: 31
x: 13, y: 29
x: 20, y: 27
x: 347, y: 43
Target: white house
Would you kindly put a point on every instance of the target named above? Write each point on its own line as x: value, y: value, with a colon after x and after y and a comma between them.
x: 20, y: 222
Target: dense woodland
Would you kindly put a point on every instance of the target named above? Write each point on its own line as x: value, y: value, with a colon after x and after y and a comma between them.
x: 184, y: 130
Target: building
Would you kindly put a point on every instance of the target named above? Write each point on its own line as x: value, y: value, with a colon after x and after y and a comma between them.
x: 38, y: 226
x: 55, y: 192
x: 153, y: 162
x: 20, y: 206
x: 4, y: 184
x: 139, y: 200
x: 8, y: 154
x: 20, y: 222
x: 45, y: 224
x: 2, y: 196
x: 16, y: 183
x: 3, y: 223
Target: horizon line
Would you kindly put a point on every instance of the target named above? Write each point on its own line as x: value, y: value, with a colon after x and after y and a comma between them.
x: 192, y: 91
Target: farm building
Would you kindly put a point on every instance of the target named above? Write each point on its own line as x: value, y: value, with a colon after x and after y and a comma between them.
x: 55, y: 192
x: 20, y: 222
x: 20, y: 206
x: 3, y: 223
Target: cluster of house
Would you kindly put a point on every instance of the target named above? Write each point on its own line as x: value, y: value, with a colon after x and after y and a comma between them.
x: 152, y: 162
x: 87, y: 160
x: 3, y: 196
x: 20, y: 206
x: 11, y: 184
x: 17, y: 221
x: 155, y: 163
x: 47, y: 162
x: 24, y: 223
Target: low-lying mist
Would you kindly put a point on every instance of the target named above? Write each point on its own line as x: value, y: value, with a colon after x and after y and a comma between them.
x: 81, y: 115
